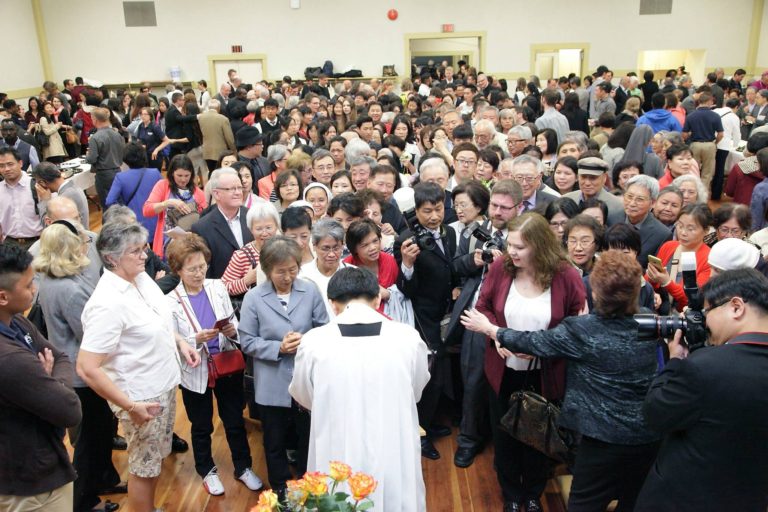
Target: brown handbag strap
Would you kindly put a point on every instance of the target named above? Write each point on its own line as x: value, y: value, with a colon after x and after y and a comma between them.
x: 186, y: 311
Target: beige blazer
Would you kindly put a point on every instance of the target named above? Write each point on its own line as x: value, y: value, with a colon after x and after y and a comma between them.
x: 217, y: 134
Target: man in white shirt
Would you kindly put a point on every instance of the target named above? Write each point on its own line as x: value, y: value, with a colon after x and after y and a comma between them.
x: 19, y: 218
x: 731, y: 139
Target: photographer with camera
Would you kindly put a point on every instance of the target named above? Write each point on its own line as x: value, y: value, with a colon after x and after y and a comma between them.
x: 424, y: 253
x: 480, y: 244
x: 713, y: 407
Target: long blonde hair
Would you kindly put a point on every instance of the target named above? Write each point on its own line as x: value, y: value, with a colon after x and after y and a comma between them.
x: 61, y: 252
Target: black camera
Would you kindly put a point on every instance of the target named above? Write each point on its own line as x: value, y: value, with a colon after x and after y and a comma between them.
x: 692, y: 323
x: 421, y: 236
x: 489, y: 244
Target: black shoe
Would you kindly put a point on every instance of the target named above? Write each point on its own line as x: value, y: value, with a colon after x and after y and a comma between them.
x: 108, y: 507
x: 178, y: 445
x: 438, y: 431
x: 533, y: 505
x: 119, y: 443
x: 428, y: 450
x: 120, y: 488
x: 464, y: 457
x: 512, y: 506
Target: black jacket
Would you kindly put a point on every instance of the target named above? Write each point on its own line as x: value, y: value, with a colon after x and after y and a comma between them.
x: 713, y: 409
x: 214, y: 229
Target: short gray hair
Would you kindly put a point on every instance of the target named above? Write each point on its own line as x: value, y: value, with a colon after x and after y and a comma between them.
x: 277, y: 250
x: 485, y: 124
x: 214, y: 104
x: 528, y: 159
x: 325, y: 228
x: 360, y: 160
x: 115, y: 238
x: 356, y: 147
x: 521, y: 131
x: 701, y: 190
x: 648, y: 183
x: 276, y: 152
x: 216, y: 176
x: 434, y: 162
x: 262, y: 210
x: 252, y: 106
x: 119, y: 213
x: 319, y: 154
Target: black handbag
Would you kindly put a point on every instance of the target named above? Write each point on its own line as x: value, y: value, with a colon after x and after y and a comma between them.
x: 37, y: 318
x: 533, y: 420
x: 41, y: 138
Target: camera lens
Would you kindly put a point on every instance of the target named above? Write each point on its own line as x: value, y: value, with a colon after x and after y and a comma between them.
x: 669, y: 324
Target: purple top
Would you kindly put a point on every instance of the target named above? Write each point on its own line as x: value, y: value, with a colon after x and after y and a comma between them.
x: 201, y: 305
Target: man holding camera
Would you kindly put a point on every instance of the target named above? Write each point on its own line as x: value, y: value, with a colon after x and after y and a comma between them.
x: 476, y: 250
x: 713, y: 407
x: 424, y: 253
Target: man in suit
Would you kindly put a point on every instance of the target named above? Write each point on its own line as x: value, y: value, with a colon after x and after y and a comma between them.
x: 427, y: 279
x: 217, y: 134
x: 223, y: 96
x: 621, y: 95
x: 469, y: 265
x: 174, y: 124
x: 434, y: 170
x: 238, y: 104
x: 224, y: 228
x: 592, y: 176
x: 639, y: 197
x: 250, y: 144
x: 712, y: 406
x: 528, y: 171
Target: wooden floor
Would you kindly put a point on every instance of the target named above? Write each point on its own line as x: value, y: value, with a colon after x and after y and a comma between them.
x: 449, y: 488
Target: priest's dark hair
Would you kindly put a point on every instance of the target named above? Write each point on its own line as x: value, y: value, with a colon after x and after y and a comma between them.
x: 353, y: 283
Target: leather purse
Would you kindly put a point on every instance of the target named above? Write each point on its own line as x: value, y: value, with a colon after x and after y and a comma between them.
x: 70, y: 137
x: 533, y: 420
x: 220, y: 364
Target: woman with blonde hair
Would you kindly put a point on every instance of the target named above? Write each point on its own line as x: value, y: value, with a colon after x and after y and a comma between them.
x: 63, y: 293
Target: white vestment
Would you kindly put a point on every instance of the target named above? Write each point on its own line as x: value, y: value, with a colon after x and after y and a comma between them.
x: 362, y: 392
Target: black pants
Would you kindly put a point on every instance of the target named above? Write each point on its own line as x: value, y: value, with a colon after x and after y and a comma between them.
x: 606, y: 472
x: 473, y: 404
x: 93, y: 451
x: 229, y: 400
x: 439, y: 383
x: 104, y: 179
x: 278, y: 425
x: 521, y: 470
x: 721, y: 155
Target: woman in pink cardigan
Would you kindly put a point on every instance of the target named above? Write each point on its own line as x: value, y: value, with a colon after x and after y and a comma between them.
x: 172, y: 199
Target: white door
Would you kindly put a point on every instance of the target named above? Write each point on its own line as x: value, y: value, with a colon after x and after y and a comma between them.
x: 250, y: 71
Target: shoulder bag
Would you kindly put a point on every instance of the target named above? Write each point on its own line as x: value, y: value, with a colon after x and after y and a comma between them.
x: 136, y: 189
x: 221, y: 364
x: 533, y: 420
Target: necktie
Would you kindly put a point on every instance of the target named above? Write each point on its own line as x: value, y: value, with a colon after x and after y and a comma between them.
x: 438, y: 240
x: 498, y: 238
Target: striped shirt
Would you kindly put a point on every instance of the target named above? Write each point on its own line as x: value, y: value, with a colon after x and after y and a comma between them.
x: 242, y: 261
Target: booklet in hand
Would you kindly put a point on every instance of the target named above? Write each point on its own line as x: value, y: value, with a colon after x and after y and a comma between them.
x: 221, y: 324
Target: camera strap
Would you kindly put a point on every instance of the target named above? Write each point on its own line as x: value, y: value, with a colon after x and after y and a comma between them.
x: 750, y: 338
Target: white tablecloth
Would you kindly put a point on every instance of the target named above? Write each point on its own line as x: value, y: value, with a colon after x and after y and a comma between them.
x: 83, y: 179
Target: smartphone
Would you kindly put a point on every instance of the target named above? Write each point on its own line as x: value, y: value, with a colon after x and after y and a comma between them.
x: 656, y: 262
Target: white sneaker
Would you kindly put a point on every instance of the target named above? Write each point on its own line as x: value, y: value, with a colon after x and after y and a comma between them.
x: 212, y: 483
x: 250, y: 480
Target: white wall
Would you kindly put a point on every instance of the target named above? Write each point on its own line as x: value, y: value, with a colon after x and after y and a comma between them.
x: 762, y: 51
x: 359, y: 35
x: 23, y: 67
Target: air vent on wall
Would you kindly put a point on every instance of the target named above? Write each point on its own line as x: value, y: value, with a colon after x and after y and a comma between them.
x: 655, y: 7
x: 139, y: 14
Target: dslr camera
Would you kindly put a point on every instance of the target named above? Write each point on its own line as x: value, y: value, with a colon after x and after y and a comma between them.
x: 692, y: 323
x: 421, y: 236
x: 488, y: 243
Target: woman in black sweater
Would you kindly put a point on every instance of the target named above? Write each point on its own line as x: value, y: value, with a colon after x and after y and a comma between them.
x: 609, y: 373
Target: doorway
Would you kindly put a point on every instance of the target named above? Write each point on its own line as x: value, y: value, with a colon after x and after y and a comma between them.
x: 558, y: 59
x: 250, y: 67
x: 660, y: 61
x: 450, y: 48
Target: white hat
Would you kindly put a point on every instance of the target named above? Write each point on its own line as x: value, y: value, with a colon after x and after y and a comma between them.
x: 733, y: 253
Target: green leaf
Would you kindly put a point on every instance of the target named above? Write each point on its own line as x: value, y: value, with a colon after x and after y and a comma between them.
x: 345, y: 507
x: 365, y: 505
x: 340, y: 496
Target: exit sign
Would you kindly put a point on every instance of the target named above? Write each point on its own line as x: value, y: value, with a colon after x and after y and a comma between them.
x: 448, y: 27
x: 237, y: 48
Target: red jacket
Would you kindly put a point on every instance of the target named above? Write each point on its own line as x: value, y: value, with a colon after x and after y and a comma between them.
x: 388, y: 271
x: 742, y: 180
x: 568, y: 296
x: 703, y: 270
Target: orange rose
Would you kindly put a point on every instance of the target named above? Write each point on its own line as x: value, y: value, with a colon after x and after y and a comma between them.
x: 340, y: 471
x: 268, y: 499
x: 361, y: 485
x: 316, y: 483
x: 297, y: 493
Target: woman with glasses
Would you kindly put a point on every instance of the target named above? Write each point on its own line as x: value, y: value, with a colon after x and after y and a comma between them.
x: 242, y: 272
x: 693, y: 224
x: 583, y: 237
x: 558, y: 213
x: 197, y: 304
x: 328, y: 241
x: 470, y: 200
x: 173, y: 199
x: 731, y: 220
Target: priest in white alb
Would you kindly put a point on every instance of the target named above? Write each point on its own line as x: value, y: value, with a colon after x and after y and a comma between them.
x: 361, y: 376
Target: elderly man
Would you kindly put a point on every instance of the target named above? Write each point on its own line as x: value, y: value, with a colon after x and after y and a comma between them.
x: 19, y: 217
x: 517, y: 138
x: 360, y: 168
x: 639, y: 197
x: 592, y: 176
x: 434, y: 170
x: 486, y: 135
x: 48, y: 180
x: 451, y: 119
x: 528, y: 172
x: 217, y: 134
x: 552, y: 118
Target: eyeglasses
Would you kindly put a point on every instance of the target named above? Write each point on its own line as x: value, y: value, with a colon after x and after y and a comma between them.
x: 704, y: 311
x: 687, y: 229
x: 328, y: 248
x: 583, y: 243
x: 231, y: 190
x: 630, y: 198
x: 515, y: 141
x: 735, y: 232
x: 263, y: 229
x: 503, y: 208
x: 200, y: 269
x: 466, y: 163
x: 524, y: 179
x: 462, y: 206
x: 560, y: 224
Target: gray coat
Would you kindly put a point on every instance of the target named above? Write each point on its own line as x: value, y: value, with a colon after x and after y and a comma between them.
x: 63, y: 300
x: 264, y: 322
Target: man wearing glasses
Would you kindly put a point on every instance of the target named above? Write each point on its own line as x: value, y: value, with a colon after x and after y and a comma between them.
x: 639, y: 197
x: 517, y: 138
x: 527, y: 171
x: 224, y: 228
x: 711, y: 405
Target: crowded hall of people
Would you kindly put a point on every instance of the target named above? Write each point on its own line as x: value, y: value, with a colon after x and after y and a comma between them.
x: 243, y: 275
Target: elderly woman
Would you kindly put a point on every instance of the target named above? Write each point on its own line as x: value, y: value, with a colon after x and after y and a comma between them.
x: 470, y: 200
x: 668, y: 205
x: 693, y: 190
x: 364, y: 244
x: 130, y: 356
x: 199, y: 306
x: 241, y: 273
x: 609, y: 373
x: 680, y: 162
x: 583, y: 237
x: 63, y: 293
x: 328, y: 241
x: 275, y: 316
x: 731, y: 220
